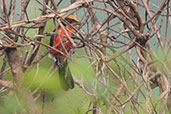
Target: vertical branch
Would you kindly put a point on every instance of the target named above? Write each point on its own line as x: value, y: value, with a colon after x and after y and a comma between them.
x: 23, y: 9
x: 3, y: 67
x: 74, y: 11
x: 169, y: 100
x: 54, y: 5
x: 24, y: 4
x: 36, y: 47
x: 121, y: 32
x: 5, y: 12
x: 96, y: 107
x: 154, y: 18
x: 43, y: 102
x: 13, y: 11
x: 15, y: 64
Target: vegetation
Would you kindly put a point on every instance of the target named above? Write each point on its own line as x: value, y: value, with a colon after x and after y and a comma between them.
x: 120, y: 62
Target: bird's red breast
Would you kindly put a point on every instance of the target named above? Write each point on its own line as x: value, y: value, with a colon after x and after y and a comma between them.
x: 61, y: 43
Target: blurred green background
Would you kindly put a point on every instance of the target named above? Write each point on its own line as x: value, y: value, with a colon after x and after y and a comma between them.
x: 74, y: 101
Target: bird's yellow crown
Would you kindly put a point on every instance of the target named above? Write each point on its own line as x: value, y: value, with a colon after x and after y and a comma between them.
x: 71, y: 17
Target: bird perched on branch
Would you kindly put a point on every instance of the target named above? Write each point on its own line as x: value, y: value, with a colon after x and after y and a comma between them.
x: 62, y: 43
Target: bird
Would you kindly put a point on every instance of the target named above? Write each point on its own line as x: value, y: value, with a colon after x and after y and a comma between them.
x: 64, y: 45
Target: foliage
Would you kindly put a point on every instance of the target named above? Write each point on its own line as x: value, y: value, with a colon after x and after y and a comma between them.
x: 120, y: 64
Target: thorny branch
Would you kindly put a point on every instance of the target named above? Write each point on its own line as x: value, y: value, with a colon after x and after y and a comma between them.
x: 108, y: 32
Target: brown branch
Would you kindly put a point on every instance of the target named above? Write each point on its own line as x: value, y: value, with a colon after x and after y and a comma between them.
x: 36, y: 47
x: 154, y: 17
x: 6, y: 16
x: 54, y: 5
x: 14, y: 62
x: 105, y: 40
x: 6, y: 83
x: 44, y: 18
x: 12, y: 12
x: 118, y: 53
x: 16, y: 68
x: 3, y: 67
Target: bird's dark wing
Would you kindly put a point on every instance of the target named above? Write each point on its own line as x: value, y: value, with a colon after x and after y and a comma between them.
x: 52, y: 39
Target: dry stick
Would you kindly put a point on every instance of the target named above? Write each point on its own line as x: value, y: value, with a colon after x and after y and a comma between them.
x: 3, y: 67
x: 59, y: 3
x: 74, y: 10
x: 41, y: 43
x: 44, y: 17
x: 120, y: 52
x: 117, y: 77
x: 5, y: 12
x: 160, y: 80
x: 157, y: 13
x: 162, y: 6
x: 104, y: 41
x: 2, y: 17
x: 123, y: 19
x: 61, y: 25
x: 167, y: 27
x: 136, y: 83
x: 22, y: 13
x: 36, y: 48
x: 124, y: 12
x: 10, y: 7
x: 8, y: 43
x: 140, y: 27
x: 54, y: 5
x: 6, y: 83
x: 15, y: 64
x: 87, y: 49
x: 12, y: 12
x: 23, y: 8
x: 88, y: 109
x: 16, y: 67
x: 43, y: 104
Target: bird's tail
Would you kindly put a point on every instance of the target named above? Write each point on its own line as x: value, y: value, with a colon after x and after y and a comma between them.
x: 65, y: 77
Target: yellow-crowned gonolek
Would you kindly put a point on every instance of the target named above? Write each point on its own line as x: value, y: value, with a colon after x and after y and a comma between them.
x: 60, y: 42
